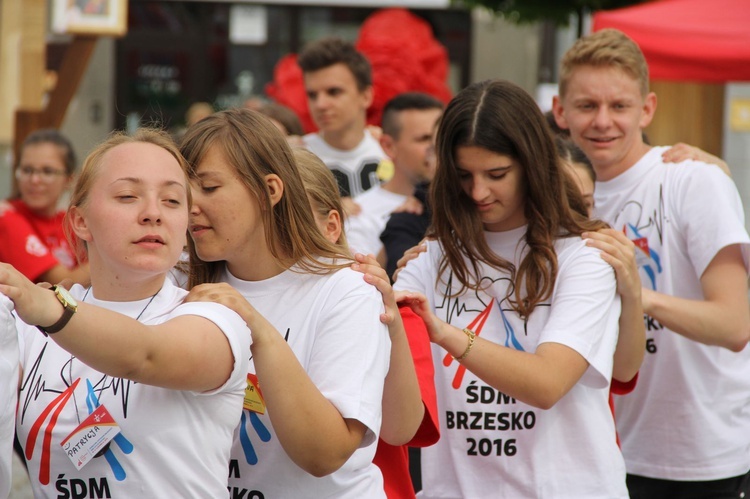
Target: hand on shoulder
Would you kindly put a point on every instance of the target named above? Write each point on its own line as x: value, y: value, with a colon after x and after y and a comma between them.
x: 619, y: 252
x: 682, y: 152
x: 375, y: 275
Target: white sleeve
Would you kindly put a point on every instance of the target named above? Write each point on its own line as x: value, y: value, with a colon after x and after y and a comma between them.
x: 585, y: 310
x: 236, y: 332
x: 420, y: 274
x: 709, y: 212
x: 351, y: 355
x: 363, y: 234
x: 8, y: 390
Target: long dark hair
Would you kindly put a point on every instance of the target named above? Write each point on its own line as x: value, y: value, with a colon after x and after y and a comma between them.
x: 499, y: 116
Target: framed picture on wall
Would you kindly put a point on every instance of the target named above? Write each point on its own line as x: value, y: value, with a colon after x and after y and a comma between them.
x: 90, y: 17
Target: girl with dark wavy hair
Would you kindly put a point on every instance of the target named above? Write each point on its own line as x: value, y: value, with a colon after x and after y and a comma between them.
x: 521, y: 312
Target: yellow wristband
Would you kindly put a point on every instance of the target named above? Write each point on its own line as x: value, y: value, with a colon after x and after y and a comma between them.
x: 472, y: 335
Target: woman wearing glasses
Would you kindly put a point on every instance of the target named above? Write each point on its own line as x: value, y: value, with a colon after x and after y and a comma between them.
x: 31, y: 226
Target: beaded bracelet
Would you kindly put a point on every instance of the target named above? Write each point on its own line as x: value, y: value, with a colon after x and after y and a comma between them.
x: 472, y: 335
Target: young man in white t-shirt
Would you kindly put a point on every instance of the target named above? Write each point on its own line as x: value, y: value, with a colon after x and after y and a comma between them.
x: 685, y: 429
x: 338, y: 82
x: 408, y: 124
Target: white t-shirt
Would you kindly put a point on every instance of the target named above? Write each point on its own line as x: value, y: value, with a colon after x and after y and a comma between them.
x: 492, y: 445
x: 354, y: 169
x: 173, y: 443
x: 8, y: 390
x: 363, y: 230
x: 331, y: 322
x: 689, y: 415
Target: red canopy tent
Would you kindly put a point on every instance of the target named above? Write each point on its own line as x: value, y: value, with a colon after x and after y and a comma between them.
x: 688, y: 40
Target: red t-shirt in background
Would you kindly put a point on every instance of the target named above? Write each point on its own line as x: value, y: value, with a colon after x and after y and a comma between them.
x: 32, y: 244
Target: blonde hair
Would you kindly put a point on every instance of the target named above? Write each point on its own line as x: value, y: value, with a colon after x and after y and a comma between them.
x: 79, y: 197
x: 605, y: 48
x: 321, y: 187
x: 254, y: 147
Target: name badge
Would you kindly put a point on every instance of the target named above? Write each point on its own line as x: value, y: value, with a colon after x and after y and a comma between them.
x: 90, y: 437
x: 253, y: 396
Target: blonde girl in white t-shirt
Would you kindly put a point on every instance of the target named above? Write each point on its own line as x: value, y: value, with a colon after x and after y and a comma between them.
x: 125, y: 354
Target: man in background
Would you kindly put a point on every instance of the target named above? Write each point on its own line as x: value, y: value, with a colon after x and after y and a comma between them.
x: 409, y: 122
x: 338, y: 82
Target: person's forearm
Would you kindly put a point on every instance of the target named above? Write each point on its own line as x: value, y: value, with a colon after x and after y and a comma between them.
x: 722, y: 317
x: 710, y: 323
x: 118, y: 349
x: 126, y: 348
x: 403, y: 409
x: 107, y: 341
x: 310, y: 429
x: 631, y: 341
x: 185, y: 353
x: 539, y: 379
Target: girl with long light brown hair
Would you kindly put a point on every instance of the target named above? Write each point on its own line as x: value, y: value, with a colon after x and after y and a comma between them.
x: 320, y: 354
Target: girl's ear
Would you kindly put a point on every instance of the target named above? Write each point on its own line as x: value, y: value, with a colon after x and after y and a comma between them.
x: 78, y: 224
x: 275, y: 188
x: 333, y: 226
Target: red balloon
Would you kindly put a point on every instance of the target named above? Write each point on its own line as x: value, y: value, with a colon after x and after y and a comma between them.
x: 403, y: 53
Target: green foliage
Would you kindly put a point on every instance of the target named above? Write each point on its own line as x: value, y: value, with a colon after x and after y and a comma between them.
x: 557, y: 11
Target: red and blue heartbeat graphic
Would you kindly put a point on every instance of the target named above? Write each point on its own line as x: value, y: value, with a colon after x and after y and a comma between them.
x: 35, y: 385
x: 454, y: 306
x: 54, y: 409
x: 476, y: 325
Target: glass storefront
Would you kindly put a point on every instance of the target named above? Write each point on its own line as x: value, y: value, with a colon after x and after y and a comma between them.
x: 177, y: 53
